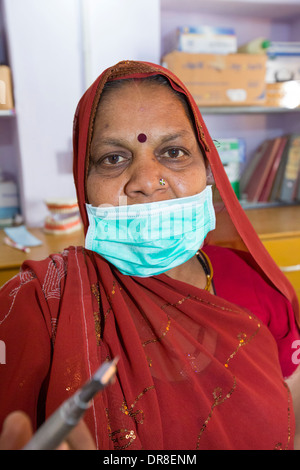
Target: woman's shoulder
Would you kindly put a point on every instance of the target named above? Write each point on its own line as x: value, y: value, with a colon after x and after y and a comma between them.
x: 220, y: 253
x: 37, y: 289
x: 240, y: 280
x: 46, y: 274
x: 236, y: 264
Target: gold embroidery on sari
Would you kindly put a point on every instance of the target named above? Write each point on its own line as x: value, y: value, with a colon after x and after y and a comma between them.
x: 96, y: 292
x: 219, y: 399
x: 109, y: 298
x: 138, y: 415
x: 167, y: 328
x: 155, y: 340
x: 243, y: 341
x: 97, y: 327
x: 120, y: 435
x: 72, y: 375
x: 124, y: 434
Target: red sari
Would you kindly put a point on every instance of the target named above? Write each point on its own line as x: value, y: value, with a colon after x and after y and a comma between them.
x: 196, y: 370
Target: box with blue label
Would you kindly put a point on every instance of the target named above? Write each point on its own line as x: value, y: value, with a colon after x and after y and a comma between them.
x: 206, y: 40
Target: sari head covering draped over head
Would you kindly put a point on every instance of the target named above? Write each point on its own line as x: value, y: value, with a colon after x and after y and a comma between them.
x: 196, y: 370
x: 241, y: 229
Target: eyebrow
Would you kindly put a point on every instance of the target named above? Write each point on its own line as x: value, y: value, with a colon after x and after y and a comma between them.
x: 169, y: 137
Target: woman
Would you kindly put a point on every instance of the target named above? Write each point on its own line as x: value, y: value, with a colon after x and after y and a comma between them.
x: 204, y: 337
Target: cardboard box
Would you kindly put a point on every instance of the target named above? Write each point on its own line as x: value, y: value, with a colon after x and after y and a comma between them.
x: 221, y: 80
x: 6, y: 93
x: 283, y: 95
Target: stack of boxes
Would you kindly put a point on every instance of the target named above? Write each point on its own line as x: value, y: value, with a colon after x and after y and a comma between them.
x: 219, y: 73
x: 207, y: 62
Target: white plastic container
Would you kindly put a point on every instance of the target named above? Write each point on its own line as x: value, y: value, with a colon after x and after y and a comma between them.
x: 257, y: 46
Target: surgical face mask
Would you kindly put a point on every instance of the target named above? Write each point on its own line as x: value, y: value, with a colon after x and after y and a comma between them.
x: 148, y: 239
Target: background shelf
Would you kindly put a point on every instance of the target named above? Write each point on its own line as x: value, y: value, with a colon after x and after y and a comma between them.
x: 245, y: 110
x: 273, y: 9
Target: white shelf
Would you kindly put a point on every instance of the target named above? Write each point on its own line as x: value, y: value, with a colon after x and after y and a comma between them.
x: 271, y: 9
x: 245, y: 110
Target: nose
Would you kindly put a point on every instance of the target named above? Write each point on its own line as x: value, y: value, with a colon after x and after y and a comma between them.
x: 147, y: 180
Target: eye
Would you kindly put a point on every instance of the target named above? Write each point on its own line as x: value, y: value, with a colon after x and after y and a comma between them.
x: 174, y: 153
x: 111, y: 160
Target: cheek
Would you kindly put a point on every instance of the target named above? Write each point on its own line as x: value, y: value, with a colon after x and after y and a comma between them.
x: 201, y: 174
x: 191, y: 183
x: 92, y: 190
x: 95, y: 191
x: 102, y: 191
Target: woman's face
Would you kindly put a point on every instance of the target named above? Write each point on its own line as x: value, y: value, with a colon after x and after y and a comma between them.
x: 124, y: 170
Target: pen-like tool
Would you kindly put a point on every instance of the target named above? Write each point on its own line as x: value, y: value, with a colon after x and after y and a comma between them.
x: 64, y: 419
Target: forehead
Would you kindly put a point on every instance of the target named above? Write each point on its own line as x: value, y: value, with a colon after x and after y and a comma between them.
x: 141, y: 100
x: 137, y: 87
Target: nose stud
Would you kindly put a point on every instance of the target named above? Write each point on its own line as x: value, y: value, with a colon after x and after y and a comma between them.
x: 162, y: 182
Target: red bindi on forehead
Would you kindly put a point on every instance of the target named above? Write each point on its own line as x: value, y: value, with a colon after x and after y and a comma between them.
x: 142, y: 138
